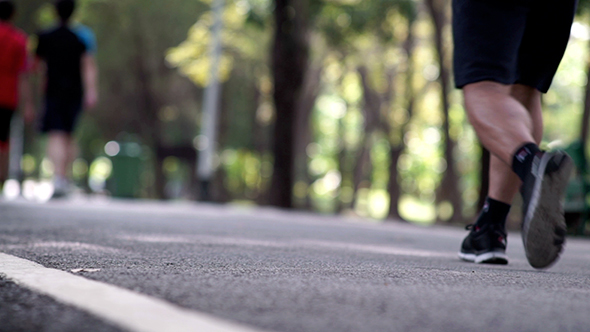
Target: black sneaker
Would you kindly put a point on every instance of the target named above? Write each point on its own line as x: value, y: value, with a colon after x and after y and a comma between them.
x: 486, y: 244
x: 543, y: 190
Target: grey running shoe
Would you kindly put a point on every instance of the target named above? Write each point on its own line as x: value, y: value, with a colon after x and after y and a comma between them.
x: 61, y: 188
x: 543, y: 190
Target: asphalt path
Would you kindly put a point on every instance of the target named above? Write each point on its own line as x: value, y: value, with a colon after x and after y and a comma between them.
x: 276, y: 271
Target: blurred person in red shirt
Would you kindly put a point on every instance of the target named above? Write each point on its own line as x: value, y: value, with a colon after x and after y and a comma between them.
x: 13, y: 80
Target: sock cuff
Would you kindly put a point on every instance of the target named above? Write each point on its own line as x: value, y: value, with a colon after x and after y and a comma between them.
x: 492, y: 203
x: 493, y: 212
x: 524, y: 151
x: 523, y: 159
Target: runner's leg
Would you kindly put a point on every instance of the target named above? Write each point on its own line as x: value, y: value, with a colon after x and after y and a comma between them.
x: 500, y: 118
x: 504, y: 184
x: 57, y: 150
x: 5, y: 119
x: 500, y: 121
x: 73, y: 151
x: 4, y: 153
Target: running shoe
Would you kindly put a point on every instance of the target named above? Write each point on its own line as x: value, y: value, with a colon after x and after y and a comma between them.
x: 543, y: 190
x: 486, y: 245
x: 61, y: 188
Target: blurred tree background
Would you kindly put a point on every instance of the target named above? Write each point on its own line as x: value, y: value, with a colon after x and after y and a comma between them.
x: 333, y: 106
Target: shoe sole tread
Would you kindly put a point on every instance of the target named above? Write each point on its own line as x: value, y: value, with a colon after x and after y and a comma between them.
x: 544, y: 234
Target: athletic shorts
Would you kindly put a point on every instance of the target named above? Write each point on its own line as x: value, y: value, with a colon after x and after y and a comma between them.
x: 5, y: 118
x: 510, y: 41
x: 61, y: 114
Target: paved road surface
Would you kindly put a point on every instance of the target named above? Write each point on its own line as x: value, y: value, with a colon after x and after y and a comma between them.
x: 266, y: 270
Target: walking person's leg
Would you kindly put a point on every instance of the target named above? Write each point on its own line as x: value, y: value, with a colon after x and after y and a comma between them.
x: 498, y: 44
x: 504, y: 183
x: 59, y: 122
x: 73, y: 152
x: 5, y: 118
x: 58, y: 143
x: 4, y: 156
x: 486, y: 242
x: 544, y: 175
x: 58, y: 152
x: 501, y: 122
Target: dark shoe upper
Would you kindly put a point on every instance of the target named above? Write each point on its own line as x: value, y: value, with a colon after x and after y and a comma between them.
x: 485, y: 238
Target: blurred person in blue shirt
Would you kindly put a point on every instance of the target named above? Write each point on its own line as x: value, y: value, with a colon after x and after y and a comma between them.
x: 68, y: 52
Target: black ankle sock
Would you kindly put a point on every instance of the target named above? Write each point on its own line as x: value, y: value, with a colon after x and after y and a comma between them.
x: 493, y: 212
x: 523, y: 159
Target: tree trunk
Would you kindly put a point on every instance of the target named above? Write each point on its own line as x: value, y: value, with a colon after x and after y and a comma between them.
x: 289, y: 62
x: 586, y: 114
x: 309, y: 94
x: 261, y: 145
x: 219, y: 193
x: 362, y: 167
x: 372, y: 103
x: 449, y: 188
x: 148, y: 106
x: 342, y: 167
x: 393, y: 187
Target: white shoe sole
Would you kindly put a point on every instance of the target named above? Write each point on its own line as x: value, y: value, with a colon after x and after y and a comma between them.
x: 493, y: 257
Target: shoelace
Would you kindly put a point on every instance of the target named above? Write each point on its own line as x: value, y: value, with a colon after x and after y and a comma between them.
x: 494, y: 228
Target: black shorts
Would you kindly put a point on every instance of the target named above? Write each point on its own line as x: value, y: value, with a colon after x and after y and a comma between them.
x: 510, y: 41
x: 5, y: 118
x: 61, y: 114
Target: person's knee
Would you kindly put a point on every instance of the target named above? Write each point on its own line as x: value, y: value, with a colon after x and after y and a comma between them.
x: 59, y: 137
x: 525, y: 90
x: 528, y: 96
x: 483, y: 93
x: 482, y: 96
x: 485, y: 88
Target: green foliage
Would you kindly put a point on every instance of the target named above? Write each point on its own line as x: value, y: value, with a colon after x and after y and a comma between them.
x: 583, y: 6
x: 343, y: 21
x: 243, y: 31
x: 154, y: 59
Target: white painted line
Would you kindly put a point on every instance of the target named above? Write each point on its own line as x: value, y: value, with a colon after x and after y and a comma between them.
x: 124, y: 308
x: 388, y: 250
x: 294, y: 243
x: 77, y: 246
